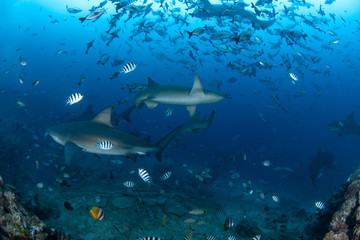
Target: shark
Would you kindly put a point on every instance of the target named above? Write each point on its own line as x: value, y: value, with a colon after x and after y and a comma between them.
x: 320, y: 162
x: 207, y: 10
x: 196, y: 125
x: 347, y: 126
x: 89, y: 135
x: 156, y: 94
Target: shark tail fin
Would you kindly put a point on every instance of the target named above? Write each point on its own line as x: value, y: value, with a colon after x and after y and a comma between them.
x: 211, y: 117
x: 163, y: 142
x: 139, y: 106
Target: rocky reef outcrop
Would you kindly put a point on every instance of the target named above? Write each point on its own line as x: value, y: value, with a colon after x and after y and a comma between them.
x: 17, y: 223
x: 345, y: 223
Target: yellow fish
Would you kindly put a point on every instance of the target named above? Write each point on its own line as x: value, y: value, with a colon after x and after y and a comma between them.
x: 97, y: 213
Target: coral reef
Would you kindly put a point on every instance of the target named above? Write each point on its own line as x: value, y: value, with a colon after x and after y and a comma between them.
x: 345, y: 223
x: 16, y: 223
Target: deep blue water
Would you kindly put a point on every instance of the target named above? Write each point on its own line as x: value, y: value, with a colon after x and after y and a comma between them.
x: 286, y: 139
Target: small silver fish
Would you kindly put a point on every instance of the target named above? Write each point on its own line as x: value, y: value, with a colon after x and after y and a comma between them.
x: 105, y: 145
x: 22, y: 61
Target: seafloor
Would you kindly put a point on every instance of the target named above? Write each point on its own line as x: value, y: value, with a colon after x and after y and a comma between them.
x: 32, y: 211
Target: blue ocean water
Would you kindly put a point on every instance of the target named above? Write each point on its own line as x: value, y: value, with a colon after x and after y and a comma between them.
x: 266, y: 117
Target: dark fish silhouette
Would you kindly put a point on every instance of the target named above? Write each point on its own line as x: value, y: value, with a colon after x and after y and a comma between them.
x: 68, y: 206
x: 320, y: 162
x: 346, y: 126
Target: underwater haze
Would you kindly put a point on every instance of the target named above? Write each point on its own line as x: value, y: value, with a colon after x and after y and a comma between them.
x: 243, y: 115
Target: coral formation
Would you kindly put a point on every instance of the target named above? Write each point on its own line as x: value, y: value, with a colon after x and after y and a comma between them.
x: 345, y: 223
x: 16, y: 223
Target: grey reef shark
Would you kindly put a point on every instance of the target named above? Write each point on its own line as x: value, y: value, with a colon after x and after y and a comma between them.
x: 98, y: 136
x: 347, y: 126
x: 319, y: 163
x: 196, y: 125
x: 236, y: 11
x: 156, y: 94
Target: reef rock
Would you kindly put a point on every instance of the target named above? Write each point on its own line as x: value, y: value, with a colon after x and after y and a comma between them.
x: 345, y: 223
x: 17, y: 223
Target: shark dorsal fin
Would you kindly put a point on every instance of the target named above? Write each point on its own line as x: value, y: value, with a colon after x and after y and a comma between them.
x: 206, y: 4
x: 151, y: 82
x: 104, y: 117
x: 197, y: 86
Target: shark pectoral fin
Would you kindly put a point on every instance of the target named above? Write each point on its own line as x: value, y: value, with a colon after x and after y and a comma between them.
x: 197, y: 87
x: 70, y: 150
x: 151, y: 105
x: 163, y: 142
x: 191, y: 109
x: 104, y: 117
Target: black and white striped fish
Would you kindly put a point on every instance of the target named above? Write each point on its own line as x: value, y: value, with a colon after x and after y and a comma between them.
x: 129, y: 184
x: 166, y: 176
x: 232, y: 238
x: 210, y: 237
x: 189, y: 236
x: 144, y: 175
x: 74, y: 98
x: 222, y: 213
x: 148, y: 238
x: 257, y: 237
x: 129, y: 67
x: 320, y: 205
x: 105, y: 145
x: 229, y: 223
x: 168, y: 112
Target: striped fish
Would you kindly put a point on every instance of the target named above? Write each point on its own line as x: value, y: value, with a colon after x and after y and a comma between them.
x: 105, y: 145
x: 232, y: 238
x: 74, y: 98
x: 129, y: 67
x: 257, y: 237
x: 129, y: 184
x: 229, y: 223
x: 275, y: 198
x: 189, y: 236
x: 144, y: 175
x: 148, y: 238
x: 294, y: 76
x: 320, y: 205
x: 168, y: 112
x: 210, y: 237
x: 166, y: 176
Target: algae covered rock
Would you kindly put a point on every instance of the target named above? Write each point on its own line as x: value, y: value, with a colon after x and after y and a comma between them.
x: 17, y: 223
